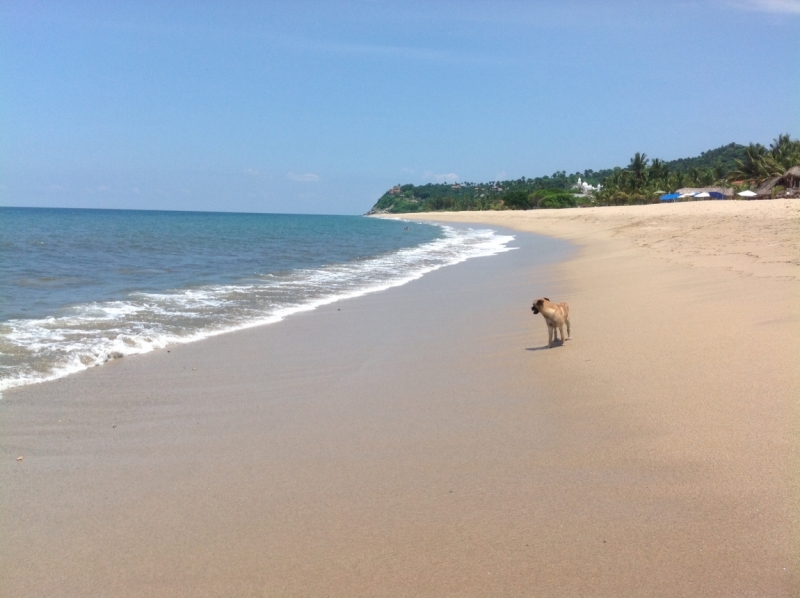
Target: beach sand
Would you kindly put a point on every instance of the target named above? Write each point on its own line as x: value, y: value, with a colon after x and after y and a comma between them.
x: 423, y: 441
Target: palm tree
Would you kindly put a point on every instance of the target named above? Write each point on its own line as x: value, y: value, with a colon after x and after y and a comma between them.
x: 692, y: 175
x: 658, y: 170
x: 676, y: 180
x: 706, y: 177
x: 719, y: 171
x: 759, y: 164
x: 638, y: 167
x: 785, y: 152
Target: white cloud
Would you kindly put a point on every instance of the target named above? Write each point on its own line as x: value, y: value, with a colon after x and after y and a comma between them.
x: 303, y: 178
x: 501, y: 176
x: 450, y: 177
x: 250, y: 172
x: 103, y: 188
x: 55, y: 188
x: 775, y: 6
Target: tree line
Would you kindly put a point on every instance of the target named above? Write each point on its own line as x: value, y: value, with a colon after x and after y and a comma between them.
x: 642, y: 181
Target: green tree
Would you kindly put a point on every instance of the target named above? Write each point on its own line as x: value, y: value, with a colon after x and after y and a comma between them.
x: 758, y: 165
x: 638, y: 167
x: 517, y: 200
x: 785, y: 152
x: 659, y: 171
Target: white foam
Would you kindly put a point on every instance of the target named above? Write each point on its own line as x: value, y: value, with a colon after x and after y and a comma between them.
x: 88, y: 335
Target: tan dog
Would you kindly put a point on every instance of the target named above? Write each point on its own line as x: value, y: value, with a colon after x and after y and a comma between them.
x: 556, y: 315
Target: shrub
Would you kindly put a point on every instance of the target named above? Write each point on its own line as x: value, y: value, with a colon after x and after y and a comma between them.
x: 554, y: 199
x: 517, y: 200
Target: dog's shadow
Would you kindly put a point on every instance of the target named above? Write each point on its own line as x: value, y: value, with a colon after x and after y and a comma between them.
x: 555, y: 344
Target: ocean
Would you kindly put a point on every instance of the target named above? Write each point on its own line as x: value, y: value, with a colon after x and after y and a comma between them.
x: 81, y: 287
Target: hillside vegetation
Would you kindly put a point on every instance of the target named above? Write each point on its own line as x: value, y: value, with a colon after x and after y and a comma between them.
x: 642, y: 181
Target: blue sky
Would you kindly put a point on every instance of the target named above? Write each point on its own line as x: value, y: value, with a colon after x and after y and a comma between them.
x: 319, y: 107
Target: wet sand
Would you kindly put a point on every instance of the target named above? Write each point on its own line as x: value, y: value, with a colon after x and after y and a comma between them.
x: 423, y: 441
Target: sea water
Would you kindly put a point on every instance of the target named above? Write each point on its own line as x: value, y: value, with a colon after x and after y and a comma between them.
x: 80, y: 287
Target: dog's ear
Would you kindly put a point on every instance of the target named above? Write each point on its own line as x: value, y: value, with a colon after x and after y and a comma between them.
x: 547, y: 299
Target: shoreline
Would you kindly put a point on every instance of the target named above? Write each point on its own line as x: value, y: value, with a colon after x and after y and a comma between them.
x: 279, y: 459
x: 90, y: 345
x: 423, y: 441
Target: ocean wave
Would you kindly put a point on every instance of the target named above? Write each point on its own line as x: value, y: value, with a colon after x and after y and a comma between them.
x: 84, y: 336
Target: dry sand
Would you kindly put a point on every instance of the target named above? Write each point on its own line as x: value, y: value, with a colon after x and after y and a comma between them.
x: 424, y: 442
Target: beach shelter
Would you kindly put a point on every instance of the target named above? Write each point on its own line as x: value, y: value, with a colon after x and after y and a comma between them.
x: 670, y: 197
x: 702, y: 195
x: 716, y: 195
x: 746, y: 193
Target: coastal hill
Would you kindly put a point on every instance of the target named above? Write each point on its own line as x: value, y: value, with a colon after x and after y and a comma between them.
x: 561, y: 190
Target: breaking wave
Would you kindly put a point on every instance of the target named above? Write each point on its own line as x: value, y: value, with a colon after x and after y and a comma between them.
x: 87, y: 335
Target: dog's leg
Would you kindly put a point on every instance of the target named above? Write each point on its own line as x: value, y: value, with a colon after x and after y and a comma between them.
x: 569, y: 332
x: 550, y: 334
x: 561, y: 329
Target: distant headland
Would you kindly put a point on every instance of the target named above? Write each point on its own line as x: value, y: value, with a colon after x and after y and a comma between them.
x: 721, y: 173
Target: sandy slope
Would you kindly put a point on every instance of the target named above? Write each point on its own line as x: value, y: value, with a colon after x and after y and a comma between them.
x: 686, y: 357
x: 760, y: 238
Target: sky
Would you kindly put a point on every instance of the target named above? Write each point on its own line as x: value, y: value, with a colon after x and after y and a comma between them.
x: 320, y: 107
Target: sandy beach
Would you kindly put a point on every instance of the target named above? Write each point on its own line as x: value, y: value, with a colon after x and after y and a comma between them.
x: 424, y: 441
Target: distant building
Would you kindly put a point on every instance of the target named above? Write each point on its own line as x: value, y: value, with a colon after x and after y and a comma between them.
x: 585, y: 188
x: 791, y: 178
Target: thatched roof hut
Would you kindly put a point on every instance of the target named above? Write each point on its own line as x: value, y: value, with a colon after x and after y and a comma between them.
x: 765, y: 188
x: 791, y: 178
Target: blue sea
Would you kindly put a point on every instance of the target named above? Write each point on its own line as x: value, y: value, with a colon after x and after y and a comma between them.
x: 81, y: 287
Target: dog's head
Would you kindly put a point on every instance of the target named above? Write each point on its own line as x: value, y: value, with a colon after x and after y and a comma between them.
x: 538, y: 305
